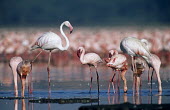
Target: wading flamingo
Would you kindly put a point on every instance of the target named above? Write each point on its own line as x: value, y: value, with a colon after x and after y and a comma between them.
x: 50, y: 41
x: 14, y: 61
x: 91, y: 59
x: 23, y: 69
x: 135, y: 47
x: 118, y: 62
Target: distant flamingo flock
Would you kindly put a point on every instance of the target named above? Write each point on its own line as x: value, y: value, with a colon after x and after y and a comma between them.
x: 140, y: 48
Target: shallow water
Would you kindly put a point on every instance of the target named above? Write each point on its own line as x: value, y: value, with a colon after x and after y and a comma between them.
x: 70, y: 82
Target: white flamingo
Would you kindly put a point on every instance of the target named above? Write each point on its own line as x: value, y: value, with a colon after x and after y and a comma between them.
x: 50, y: 41
x: 91, y: 59
x: 118, y: 62
x: 135, y: 47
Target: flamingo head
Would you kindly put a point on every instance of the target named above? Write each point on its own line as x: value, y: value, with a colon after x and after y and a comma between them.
x: 67, y: 23
x: 79, y: 51
x: 112, y: 52
x: 25, y: 68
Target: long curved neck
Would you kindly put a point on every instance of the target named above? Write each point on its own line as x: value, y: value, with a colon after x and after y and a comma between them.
x: 67, y: 41
x: 82, y: 57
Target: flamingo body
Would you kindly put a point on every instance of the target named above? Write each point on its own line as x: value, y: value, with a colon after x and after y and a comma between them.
x: 48, y: 41
x: 134, y: 47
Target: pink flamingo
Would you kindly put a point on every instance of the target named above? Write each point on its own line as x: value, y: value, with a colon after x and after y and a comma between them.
x: 14, y: 61
x: 117, y: 62
x: 22, y: 68
x: 50, y: 41
x: 135, y: 47
x: 91, y: 59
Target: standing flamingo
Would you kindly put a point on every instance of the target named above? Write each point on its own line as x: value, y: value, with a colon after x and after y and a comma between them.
x: 14, y: 61
x: 135, y: 47
x: 91, y: 59
x: 23, y: 69
x: 118, y: 62
x: 50, y: 41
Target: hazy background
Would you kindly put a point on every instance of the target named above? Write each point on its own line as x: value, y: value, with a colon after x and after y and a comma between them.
x: 84, y: 12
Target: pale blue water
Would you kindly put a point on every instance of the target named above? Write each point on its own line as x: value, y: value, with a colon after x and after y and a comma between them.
x: 73, y: 82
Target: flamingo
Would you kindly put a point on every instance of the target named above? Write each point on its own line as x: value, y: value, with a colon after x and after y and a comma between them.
x: 22, y: 68
x: 138, y: 48
x: 14, y: 61
x: 91, y: 59
x: 118, y: 62
x: 50, y: 41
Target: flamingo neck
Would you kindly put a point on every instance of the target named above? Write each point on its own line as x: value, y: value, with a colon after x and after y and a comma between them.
x: 67, y: 41
x: 82, y: 57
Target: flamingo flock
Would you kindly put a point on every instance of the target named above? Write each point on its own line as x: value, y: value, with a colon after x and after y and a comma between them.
x: 138, y: 49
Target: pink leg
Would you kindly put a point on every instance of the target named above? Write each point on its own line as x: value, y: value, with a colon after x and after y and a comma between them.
x: 48, y: 70
x: 113, y: 82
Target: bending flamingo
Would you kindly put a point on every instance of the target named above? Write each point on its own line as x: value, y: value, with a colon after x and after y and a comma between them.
x: 117, y: 62
x: 14, y: 61
x: 50, y: 41
x: 135, y: 47
x: 91, y: 59
x: 23, y: 69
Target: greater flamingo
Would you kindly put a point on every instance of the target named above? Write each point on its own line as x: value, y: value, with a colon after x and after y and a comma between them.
x: 50, y: 41
x: 23, y: 69
x: 118, y: 62
x: 135, y: 47
x: 14, y: 61
x: 91, y: 59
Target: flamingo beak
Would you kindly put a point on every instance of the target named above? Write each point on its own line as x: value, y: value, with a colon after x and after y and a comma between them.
x: 110, y: 55
x: 71, y: 29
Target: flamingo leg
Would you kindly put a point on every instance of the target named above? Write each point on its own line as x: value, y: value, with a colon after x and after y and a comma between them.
x: 23, y: 81
x: 124, y: 80
x: 37, y: 56
x: 48, y: 70
x: 91, y: 79
x: 97, y: 79
x: 113, y: 81
x: 133, y: 64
